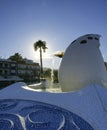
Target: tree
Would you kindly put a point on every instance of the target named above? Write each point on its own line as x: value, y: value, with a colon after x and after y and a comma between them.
x: 56, y: 76
x: 47, y: 73
x: 17, y: 57
x: 41, y: 45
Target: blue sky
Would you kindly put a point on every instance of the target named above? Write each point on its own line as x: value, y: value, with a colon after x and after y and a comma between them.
x: 58, y: 22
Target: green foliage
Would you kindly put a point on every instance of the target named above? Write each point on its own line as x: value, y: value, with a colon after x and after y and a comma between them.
x: 47, y: 73
x: 55, y: 76
x: 40, y: 45
x: 17, y: 57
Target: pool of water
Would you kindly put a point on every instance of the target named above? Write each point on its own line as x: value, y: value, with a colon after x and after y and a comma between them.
x: 46, y: 86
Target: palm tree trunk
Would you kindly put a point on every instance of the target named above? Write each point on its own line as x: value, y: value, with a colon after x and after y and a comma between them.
x: 41, y: 61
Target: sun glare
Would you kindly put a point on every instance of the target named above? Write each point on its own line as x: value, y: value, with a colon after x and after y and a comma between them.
x: 47, y: 57
x: 35, y: 55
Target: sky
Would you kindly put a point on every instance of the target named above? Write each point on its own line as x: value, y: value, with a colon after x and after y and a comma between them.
x: 58, y: 22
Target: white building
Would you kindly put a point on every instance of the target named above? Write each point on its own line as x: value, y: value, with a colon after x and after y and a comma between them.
x: 29, y: 71
x: 14, y: 71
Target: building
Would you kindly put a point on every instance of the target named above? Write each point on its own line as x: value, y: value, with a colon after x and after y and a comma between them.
x: 12, y: 71
x: 7, y: 68
x: 29, y: 70
x: 8, y: 72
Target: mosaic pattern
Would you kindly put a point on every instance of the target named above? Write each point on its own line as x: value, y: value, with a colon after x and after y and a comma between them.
x: 33, y: 115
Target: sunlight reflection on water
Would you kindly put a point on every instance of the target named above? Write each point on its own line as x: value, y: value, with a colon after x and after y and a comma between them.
x: 46, y: 86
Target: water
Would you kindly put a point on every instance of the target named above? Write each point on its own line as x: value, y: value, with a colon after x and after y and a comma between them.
x: 46, y: 86
x: 52, y: 74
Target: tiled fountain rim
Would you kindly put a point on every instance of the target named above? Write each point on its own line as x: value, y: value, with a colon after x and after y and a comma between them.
x: 9, y: 108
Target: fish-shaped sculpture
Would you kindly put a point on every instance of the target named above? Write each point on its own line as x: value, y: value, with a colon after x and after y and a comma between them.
x: 82, y: 64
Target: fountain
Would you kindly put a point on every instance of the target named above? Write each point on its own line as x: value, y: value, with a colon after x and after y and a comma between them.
x: 48, y: 84
x: 52, y: 72
x: 82, y: 104
x: 82, y: 64
x: 54, y: 83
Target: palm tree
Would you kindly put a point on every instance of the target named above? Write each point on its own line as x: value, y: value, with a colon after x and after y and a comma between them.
x: 41, y: 45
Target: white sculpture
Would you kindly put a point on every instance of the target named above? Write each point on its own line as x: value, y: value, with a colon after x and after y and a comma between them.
x: 82, y: 64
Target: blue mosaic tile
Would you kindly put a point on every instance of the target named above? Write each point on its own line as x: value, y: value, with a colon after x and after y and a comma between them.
x: 33, y: 115
x: 10, y: 121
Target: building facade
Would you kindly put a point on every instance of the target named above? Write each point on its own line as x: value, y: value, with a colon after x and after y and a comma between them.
x: 8, y: 68
x: 14, y: 71
x: 29, y: 71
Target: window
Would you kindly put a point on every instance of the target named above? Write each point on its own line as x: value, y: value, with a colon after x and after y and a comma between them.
x: 6, y: 65
x: 13, y: 65
x: 1, y: 72
x: 6, y: 72
x: 1, y: 64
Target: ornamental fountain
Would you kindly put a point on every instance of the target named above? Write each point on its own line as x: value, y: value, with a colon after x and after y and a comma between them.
x: 82, y: 104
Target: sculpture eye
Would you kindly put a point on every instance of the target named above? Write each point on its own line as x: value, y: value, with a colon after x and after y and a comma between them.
x: 83, y: 42
x: 96, y: 38
x: 90, y: 38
